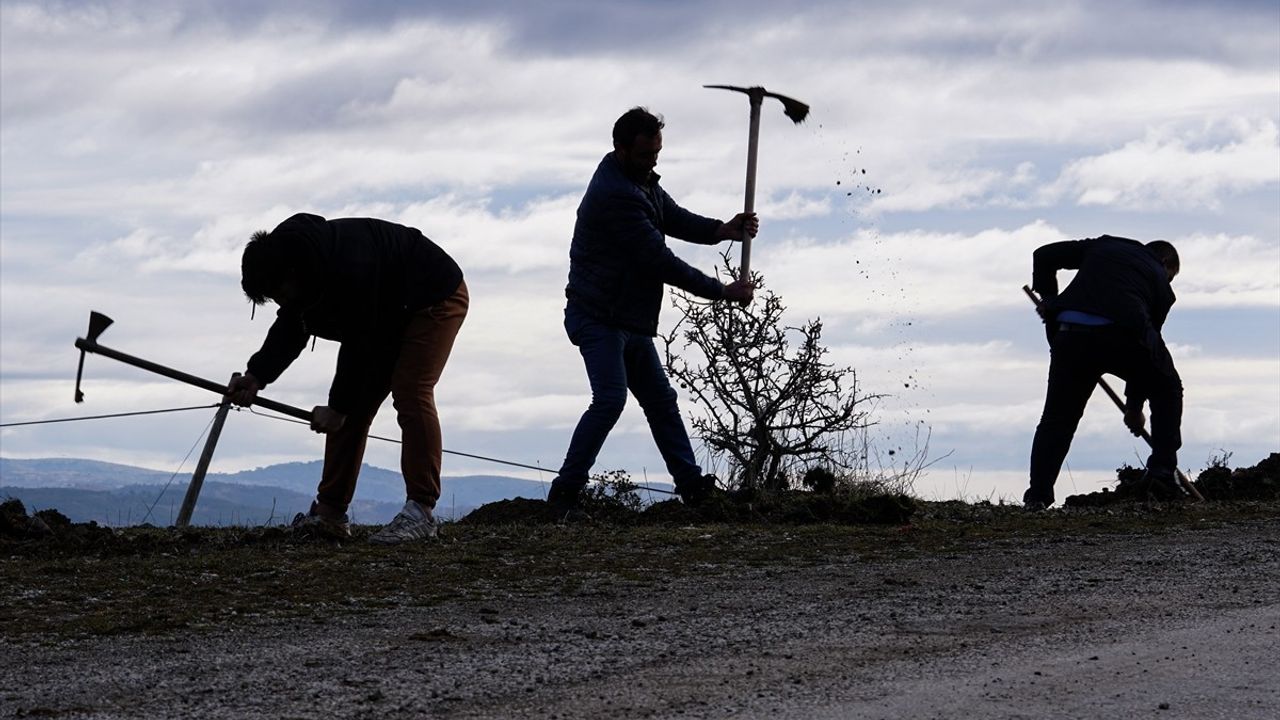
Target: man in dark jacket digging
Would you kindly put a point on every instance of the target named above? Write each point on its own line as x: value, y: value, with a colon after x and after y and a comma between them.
x: 395, y: 301
x: 1107, y: 320
x: 619, y: 263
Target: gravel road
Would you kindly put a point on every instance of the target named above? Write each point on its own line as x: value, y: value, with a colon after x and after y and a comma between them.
x: 1176, y: 625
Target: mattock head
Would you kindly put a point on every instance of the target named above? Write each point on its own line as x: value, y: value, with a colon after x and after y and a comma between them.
x: 793, y: 108
x: 98, y: 323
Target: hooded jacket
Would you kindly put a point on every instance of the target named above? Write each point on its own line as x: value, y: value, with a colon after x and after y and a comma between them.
x: 360, y: 280
x: 619, y: 260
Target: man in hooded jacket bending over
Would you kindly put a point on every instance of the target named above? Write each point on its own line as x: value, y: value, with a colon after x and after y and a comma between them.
x: 395, y: 301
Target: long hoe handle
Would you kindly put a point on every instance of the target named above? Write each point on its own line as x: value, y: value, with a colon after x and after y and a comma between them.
x: 220, y: 388
x: 749, y: 205
x: 1115, y: 398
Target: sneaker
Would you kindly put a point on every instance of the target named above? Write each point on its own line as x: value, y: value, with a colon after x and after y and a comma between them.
x: 323, y: 526
x: 411, y: 523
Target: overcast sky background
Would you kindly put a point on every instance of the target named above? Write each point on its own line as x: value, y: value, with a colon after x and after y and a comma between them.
x: 141, y: 143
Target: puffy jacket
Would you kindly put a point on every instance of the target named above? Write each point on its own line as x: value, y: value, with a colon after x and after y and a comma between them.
x: 361, y: 279
x: 619, y: 260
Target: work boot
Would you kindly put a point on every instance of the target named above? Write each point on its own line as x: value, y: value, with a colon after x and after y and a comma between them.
x: 1162, y: 485
x: 318, y: 523
x: 565, y: 499
x: 697, y: 492
x: 1032, y: 502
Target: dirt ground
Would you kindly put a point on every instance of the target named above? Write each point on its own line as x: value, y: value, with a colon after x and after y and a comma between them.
x: 1068, y: 614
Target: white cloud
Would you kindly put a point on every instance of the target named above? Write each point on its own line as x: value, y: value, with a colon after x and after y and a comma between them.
x: 1166, y: 170
x: 1228, y: 271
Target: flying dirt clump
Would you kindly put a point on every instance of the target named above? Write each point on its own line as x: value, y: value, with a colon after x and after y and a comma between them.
x: 1217, y: 483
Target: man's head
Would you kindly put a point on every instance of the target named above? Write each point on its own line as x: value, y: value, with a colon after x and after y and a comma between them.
x: 268, y: 271
x: 637, y: 140
x: 1167, y: 255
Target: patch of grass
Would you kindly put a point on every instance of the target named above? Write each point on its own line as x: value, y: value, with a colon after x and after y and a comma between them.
x: 140, y: 581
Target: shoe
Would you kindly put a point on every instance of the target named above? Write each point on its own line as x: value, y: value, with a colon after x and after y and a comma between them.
x: 565, y: 499
x: 324, y: 526
x: 697, y: 492
x: 1162, y: 485
x: 412, y: 523
x: 1034, y: 503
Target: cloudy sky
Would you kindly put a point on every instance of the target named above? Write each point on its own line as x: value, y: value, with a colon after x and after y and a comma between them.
x: 143, y: 142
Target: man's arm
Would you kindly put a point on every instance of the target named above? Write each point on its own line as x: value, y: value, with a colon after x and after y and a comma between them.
x: 686, y: 225
x: 646, y: 245
x: 742, y: 226
x: 1048, y: 260
x: 284, y: 342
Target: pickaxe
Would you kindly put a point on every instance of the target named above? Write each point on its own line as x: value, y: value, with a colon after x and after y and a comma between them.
x: 795, y: 110
x: 89, y: 344
x: 1183, y: 480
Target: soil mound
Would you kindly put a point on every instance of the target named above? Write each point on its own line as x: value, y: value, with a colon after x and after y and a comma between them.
x: 46, y: 525
x: 1260, y: 482
x: 50, y: 533
x: 1215, y: 483
x: 795, y: 507
x: 519, y: 511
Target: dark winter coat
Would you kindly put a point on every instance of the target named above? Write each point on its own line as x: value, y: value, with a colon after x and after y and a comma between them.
x: 361, y: 280
x: 619, y: 260
x: 1117, y: 278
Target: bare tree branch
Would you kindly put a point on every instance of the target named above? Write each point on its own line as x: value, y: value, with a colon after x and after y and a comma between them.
x: 768, y: 398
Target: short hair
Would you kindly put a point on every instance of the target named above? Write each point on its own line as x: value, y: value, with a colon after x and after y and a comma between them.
x: 635, y: 122
x: 264, y: 266
x: 1167, y: 254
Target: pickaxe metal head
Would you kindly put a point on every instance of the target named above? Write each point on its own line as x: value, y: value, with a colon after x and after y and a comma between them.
x: 98, y: 323
x: 793, y: 108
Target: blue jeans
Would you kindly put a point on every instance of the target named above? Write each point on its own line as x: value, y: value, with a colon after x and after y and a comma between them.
x: 617, y: 361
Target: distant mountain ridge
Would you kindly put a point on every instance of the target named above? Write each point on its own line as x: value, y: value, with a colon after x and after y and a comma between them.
x: 115, y: 494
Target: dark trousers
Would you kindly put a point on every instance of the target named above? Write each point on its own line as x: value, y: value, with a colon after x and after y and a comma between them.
x: 618, y: 361
x: 1078, y: 357
x: 425, y: 345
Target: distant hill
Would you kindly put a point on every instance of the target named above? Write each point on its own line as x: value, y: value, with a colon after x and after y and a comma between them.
x: 114, y: 494
x: 220, y: 504
x: 75, y: 473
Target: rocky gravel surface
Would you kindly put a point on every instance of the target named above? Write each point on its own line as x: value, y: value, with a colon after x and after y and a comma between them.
x: 1179, y: 624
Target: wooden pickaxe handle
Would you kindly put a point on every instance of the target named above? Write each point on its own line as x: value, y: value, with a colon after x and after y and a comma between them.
x: 749, y: 203
x: 91, y: 346
x: 1115, y: 398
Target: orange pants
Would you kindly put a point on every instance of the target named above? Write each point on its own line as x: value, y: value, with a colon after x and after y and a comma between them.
x: 424, y: 348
